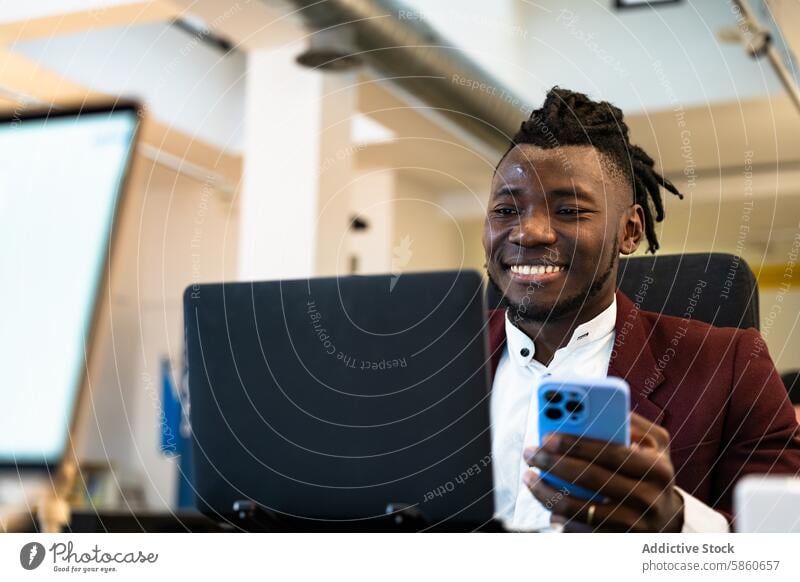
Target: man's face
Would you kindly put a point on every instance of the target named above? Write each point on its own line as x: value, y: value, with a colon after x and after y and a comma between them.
x: 556, y: 222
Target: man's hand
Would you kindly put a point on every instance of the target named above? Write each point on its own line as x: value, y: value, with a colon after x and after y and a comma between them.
x: 638, y: 482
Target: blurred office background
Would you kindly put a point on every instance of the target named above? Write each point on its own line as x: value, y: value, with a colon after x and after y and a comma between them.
x: 254, y: 166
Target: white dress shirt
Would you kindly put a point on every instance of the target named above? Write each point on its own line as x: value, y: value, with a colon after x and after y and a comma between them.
x: 514, y: 418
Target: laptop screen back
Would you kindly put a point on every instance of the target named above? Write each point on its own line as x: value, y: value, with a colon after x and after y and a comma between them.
x: 336, y: 399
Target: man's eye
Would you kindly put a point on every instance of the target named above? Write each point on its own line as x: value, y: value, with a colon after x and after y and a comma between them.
x: 570, y: 211
x: 505, y: 211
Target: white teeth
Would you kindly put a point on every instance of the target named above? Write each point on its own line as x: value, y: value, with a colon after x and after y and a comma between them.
x: 535, y: 269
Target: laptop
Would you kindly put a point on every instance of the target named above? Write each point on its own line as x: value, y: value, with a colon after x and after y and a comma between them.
x: 342, y: 403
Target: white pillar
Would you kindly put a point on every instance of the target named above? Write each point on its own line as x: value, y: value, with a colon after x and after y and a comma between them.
x: 294, y: 212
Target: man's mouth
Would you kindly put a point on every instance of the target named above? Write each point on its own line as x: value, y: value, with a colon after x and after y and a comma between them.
x: 536, y: 273
x: 535, y: 269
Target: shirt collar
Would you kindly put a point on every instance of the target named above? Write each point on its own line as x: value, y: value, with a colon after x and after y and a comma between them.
x: 522, y: 349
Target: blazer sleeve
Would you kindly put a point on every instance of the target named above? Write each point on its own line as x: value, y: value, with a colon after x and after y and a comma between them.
x: 760, y: 430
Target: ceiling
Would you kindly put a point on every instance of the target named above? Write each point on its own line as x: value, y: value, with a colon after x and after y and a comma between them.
x: 695, y: 105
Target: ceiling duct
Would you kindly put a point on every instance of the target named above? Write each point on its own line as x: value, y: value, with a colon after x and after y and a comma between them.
x: 330, y: 50
x: 397, y: 42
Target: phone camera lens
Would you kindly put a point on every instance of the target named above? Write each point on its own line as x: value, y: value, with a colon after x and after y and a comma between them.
x: 553, y: 413
x: 573, y: 406
x: 552, y: 396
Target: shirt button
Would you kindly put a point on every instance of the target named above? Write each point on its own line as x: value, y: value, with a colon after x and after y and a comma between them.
x: 524, y: 352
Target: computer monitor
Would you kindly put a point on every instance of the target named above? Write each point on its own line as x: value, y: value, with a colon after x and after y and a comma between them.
x: 61, y: 173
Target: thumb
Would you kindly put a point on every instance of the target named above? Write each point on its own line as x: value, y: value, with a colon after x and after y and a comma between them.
x: 642, y: 433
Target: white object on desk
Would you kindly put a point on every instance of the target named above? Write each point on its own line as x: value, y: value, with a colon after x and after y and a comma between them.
x: 18, y: 500
x: 767, y: 504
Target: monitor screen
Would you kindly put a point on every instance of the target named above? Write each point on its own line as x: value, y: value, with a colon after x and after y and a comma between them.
x: 60, y: 178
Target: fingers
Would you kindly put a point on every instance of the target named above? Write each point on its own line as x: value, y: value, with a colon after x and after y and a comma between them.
x: 587, y: 474
x: 646, y: 434
x: 577, y: 514
x: 634, y: 463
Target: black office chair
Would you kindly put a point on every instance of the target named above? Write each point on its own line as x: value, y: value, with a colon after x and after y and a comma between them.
x: 792, y: 382
x: 716, y: 288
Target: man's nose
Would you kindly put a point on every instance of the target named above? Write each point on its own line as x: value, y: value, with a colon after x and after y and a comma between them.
x: 533, y: 230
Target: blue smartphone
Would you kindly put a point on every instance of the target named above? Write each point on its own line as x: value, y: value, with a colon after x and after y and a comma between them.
x: 592, y: 408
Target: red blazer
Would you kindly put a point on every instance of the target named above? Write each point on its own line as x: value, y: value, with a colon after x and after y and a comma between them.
x: 714, y: 389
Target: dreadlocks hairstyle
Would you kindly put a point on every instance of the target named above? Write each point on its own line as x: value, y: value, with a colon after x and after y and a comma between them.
x: 570, y: 118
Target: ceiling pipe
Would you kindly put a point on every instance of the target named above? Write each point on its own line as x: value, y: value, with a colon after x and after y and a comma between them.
x: 396, y: 41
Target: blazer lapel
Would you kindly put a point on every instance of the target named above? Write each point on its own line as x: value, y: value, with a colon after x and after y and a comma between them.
x: 632, y: 359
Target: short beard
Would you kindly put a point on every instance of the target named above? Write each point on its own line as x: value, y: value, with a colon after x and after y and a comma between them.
x: 565, y: 307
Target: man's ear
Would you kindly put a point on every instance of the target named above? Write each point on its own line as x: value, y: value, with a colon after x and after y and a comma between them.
x: 631, y: 230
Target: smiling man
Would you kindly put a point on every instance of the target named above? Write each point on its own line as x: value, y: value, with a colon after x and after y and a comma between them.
x: 569, y: 196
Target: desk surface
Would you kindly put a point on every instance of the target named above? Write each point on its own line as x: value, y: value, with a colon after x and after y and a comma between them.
x: 88, y: 521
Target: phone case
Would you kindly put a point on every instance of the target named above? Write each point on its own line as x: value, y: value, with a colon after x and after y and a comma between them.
x: 591, y: 408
